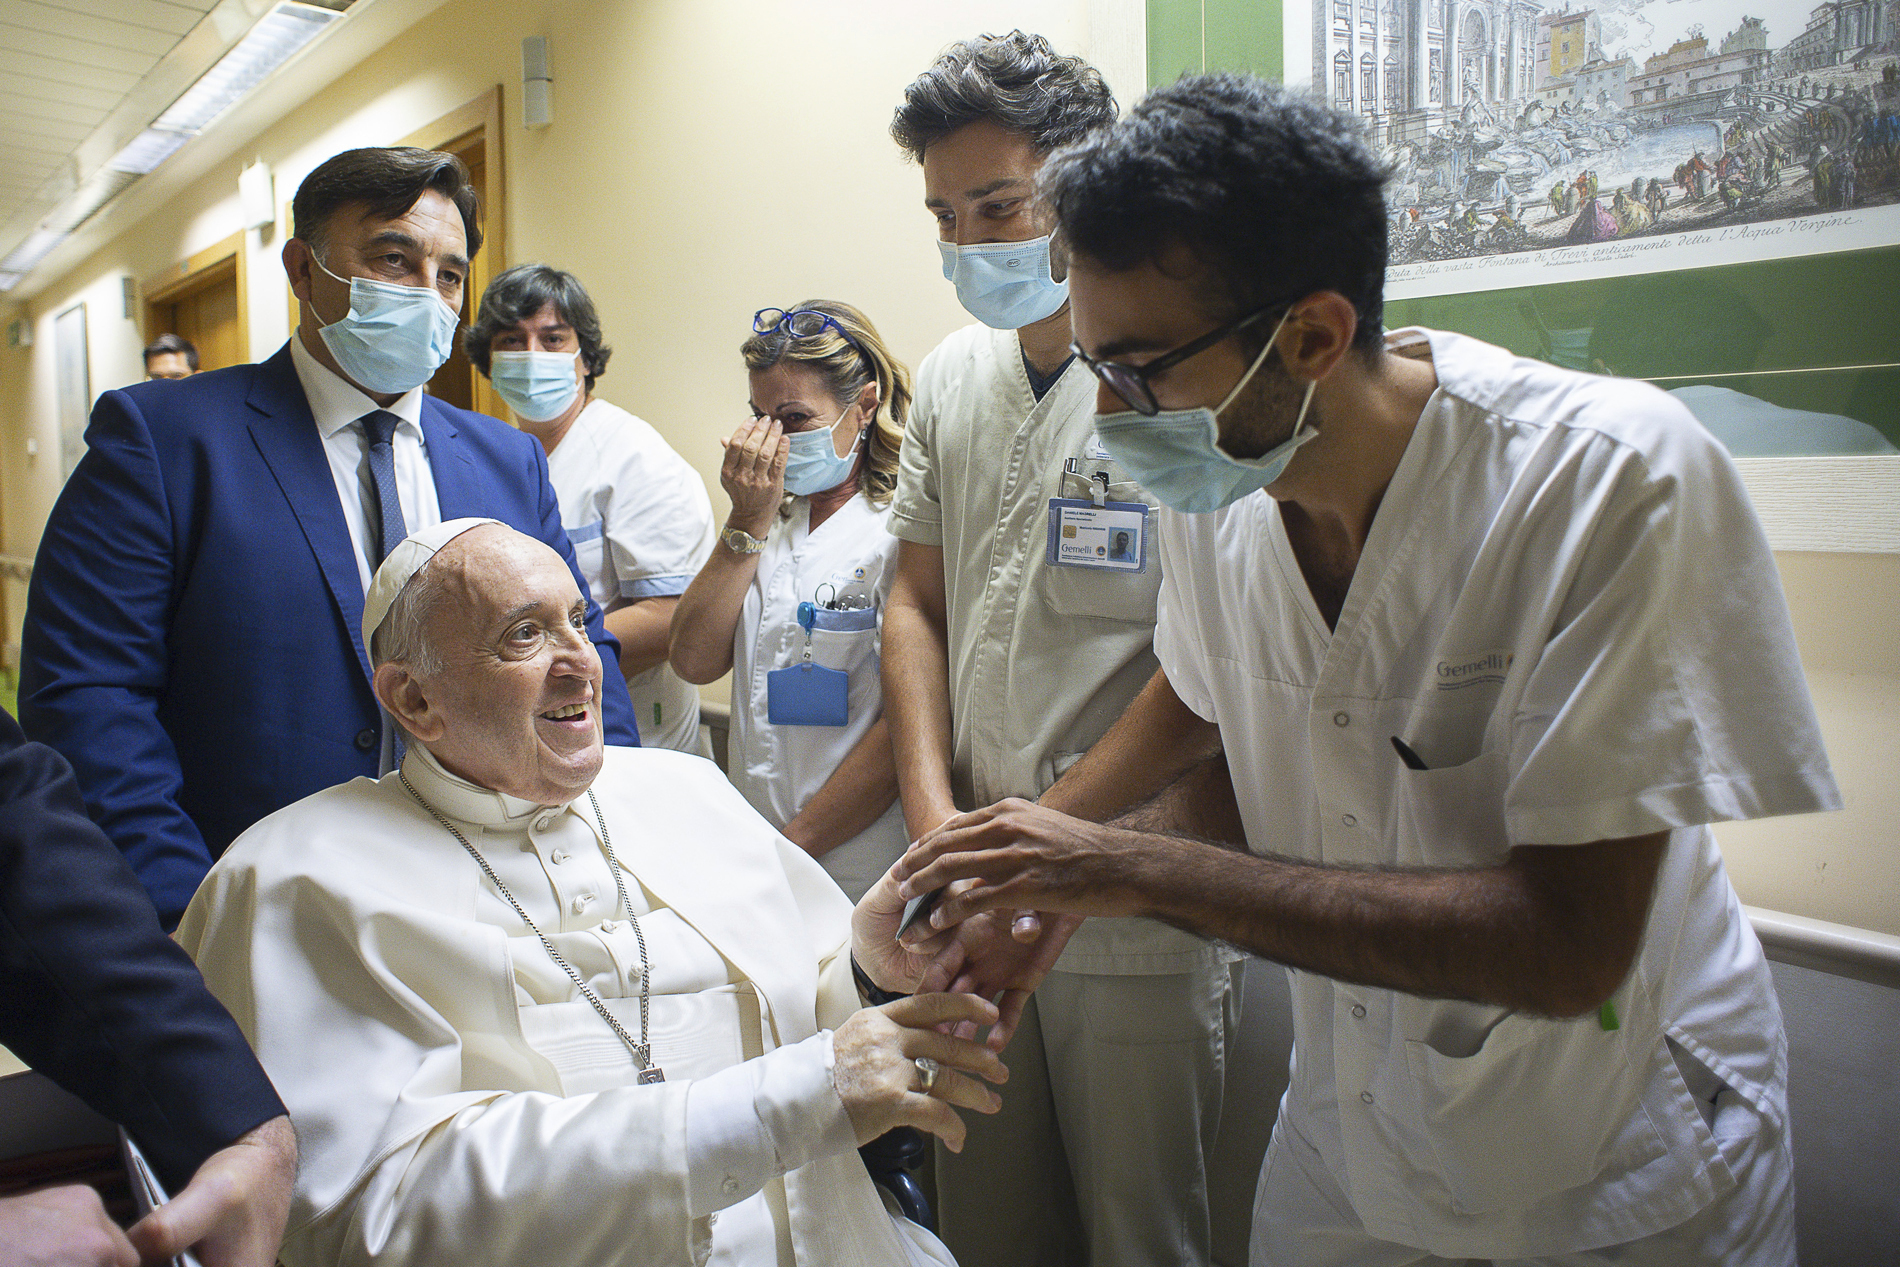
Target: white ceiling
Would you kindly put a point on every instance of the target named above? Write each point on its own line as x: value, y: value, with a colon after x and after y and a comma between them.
x: 65, y: 66
x: 81, y: 79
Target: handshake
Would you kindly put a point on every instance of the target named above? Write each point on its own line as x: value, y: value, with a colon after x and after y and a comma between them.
x: 960, y: 920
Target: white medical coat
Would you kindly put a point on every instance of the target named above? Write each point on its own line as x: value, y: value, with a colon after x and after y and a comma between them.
x: 642, y: 526
x: 1567, y: 608
x: 851, y: 560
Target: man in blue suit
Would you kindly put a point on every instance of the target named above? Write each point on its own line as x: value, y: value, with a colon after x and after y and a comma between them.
x: 191, y: 641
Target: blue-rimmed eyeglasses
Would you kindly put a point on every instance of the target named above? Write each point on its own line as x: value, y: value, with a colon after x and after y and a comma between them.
x: 800, y: 323
x: 1130, y: 382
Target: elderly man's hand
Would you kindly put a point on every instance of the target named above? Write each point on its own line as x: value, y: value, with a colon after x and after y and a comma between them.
x: 62, y: 1227
x: 984, y: 956
x: 232, y: 1212
x: 876, y: 1073
x: 893, y: 965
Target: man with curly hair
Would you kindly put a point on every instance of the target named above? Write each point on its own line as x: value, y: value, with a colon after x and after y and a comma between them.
x: 1005, y: 659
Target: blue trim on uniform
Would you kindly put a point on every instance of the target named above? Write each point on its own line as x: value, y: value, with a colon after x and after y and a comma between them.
x: 851, y: 621
x: 656, y: 587
x: 587, y: 533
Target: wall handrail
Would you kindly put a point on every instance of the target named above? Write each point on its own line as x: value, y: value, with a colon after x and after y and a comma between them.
x: 1860, y: 953
x: 16, y: 567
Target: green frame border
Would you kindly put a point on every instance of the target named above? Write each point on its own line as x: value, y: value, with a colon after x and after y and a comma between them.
x: 1191, y: 36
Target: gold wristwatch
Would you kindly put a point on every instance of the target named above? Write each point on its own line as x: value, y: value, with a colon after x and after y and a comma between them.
x: 740, y: 541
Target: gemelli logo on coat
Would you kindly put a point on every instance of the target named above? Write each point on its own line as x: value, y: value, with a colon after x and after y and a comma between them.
x: 1484, y: 668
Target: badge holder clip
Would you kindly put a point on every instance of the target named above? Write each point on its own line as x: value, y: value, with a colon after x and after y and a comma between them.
x: 807, y: 694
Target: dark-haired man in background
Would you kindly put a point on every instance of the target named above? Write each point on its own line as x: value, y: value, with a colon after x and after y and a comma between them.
x: 191, y: 641
x: 1488, y: 644
x: 1005, y: 659
x: 170, y: 356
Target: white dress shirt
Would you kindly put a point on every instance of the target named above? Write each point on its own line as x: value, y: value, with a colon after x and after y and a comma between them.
x: 336, y: 405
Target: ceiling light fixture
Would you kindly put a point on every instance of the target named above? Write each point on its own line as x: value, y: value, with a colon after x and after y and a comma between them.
x: 274, y: 40
x: 277, y: 36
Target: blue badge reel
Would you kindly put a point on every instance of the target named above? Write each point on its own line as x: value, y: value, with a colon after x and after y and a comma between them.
x: 808, y: 694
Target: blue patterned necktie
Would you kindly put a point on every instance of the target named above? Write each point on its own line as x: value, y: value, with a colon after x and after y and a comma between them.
x: 380, y: 426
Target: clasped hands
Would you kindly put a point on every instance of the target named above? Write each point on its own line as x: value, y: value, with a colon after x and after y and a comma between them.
x: 1002, y: 864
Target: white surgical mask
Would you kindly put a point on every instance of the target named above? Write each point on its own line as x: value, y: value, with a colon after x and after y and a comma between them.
x: 538, y: 386
x: 393, y: 338
x: 1005, y: 285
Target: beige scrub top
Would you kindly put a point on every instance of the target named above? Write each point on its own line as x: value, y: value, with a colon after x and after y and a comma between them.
x: 1042, y: 659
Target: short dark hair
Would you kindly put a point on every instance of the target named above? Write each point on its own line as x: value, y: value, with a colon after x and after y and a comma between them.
x: 1016, y: 80
x: 1275, y: 193
x: 165, y: 343
x: 386, y: 180
x: 524, y: 290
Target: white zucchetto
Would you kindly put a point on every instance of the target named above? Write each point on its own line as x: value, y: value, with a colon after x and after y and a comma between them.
x: 404, y: 562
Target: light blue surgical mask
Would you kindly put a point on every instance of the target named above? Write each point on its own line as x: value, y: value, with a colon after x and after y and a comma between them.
x: 1005, y: 285
x: 813, y: 464
x: 538, y: 386
x: 1176, y: 454
x: 393, y: 338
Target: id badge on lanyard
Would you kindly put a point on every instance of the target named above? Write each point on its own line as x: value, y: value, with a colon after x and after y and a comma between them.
x: 807, y: 694
x: 1098, y: 533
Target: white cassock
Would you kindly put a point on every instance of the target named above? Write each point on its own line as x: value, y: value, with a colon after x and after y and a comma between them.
x: 456, y: 1098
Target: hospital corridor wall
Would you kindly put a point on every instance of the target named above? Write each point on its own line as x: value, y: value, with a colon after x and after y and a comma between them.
x: 710, y: 157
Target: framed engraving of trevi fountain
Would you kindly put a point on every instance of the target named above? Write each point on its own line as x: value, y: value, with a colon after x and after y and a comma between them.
x: 1535, y: 141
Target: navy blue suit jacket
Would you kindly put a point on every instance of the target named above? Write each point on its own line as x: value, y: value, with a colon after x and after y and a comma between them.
x: 193, y: 642
x: 92, y: 992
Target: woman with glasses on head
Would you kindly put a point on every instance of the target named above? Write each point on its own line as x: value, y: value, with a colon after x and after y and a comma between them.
x: 792, y: 598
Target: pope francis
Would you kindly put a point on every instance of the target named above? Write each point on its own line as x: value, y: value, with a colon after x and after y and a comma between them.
x: 531, y: 1000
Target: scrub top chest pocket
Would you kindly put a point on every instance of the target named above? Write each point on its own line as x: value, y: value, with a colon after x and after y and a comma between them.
x: 1099, y: 549
x: 816, y: 690
x: 590, y: 543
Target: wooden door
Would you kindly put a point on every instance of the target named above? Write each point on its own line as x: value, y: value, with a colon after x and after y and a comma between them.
x: 456, y: 381
x: 202, y: 299
x: 208, y: 317
x: 473, y: 134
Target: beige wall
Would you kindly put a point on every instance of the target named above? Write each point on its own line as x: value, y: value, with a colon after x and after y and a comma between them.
x: 1844, y: 866
x: 711, y: 157
x: 708, y: 158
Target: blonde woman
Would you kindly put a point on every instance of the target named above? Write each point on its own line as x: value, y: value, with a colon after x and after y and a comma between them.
x: 792, y: 598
